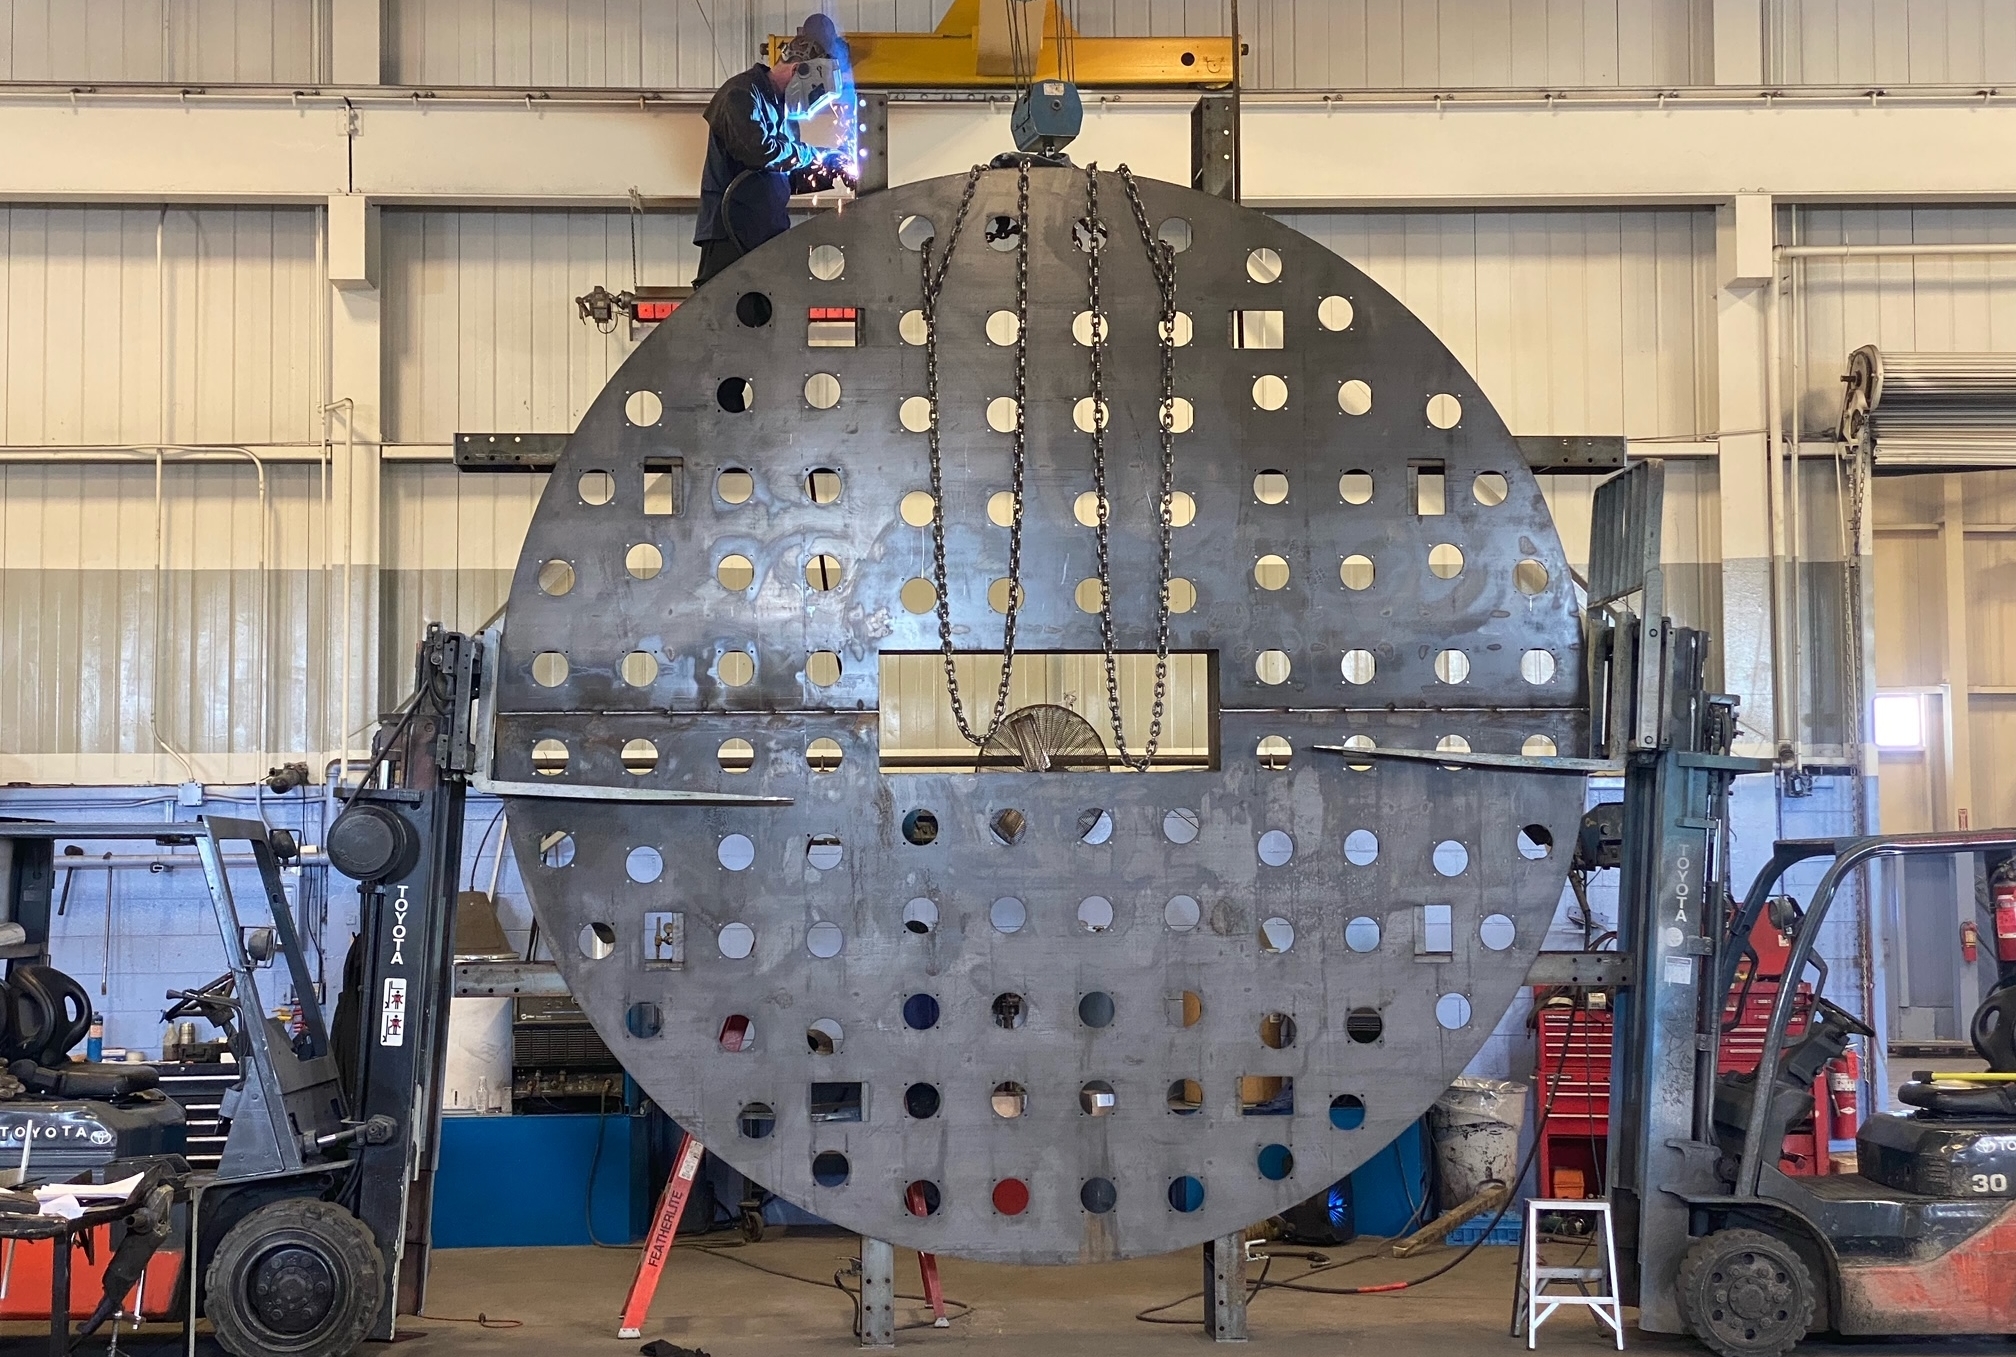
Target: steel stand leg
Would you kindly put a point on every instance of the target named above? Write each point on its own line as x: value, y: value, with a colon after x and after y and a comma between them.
x: 878, y: 1293
x: 1225, y: 1288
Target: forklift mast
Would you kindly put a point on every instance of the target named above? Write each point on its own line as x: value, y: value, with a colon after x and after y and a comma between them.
x: 400, y: 837
x: 1673, y: 738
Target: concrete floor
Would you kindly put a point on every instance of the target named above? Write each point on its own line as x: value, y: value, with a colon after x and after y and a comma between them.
x: 566, y: 1301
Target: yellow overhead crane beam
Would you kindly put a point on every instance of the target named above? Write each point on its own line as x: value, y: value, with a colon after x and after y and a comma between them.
x: 970, y: 50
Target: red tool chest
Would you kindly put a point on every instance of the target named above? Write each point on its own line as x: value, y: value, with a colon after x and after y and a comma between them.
x: 1574, y: 1060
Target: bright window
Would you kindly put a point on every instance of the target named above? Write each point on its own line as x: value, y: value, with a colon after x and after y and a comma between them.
x: 1900, y: 721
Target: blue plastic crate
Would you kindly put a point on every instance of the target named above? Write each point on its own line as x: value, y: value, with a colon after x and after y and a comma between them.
x: 1506, y: 1231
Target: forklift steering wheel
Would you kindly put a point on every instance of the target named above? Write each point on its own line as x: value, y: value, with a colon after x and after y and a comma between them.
x: 1848, y: 1021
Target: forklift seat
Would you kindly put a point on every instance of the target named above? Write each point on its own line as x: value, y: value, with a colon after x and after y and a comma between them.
x: 1955, y: 1099
x: 100, y: 1079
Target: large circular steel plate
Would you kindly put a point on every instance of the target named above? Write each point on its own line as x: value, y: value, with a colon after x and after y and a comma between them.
x: 1204, y: 993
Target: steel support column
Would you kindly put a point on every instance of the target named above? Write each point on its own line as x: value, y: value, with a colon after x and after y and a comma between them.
x: 878, y: 1293
x: 1747, y: 630
x: 1225, y: 1288
x: 354, y: 436
x: 1214, y: 146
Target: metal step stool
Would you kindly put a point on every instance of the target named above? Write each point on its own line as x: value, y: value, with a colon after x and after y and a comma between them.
x: 1535, y: 1303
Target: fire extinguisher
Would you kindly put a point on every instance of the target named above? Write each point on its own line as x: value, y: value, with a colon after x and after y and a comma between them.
x: 1842, y: 1083
x: 1970, y: 941
x: 2004, y: 894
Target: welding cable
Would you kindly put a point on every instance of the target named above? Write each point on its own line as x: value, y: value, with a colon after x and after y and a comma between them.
x: 479, y: 1319
x: 594, y: 1166
x: 723, y: 1251
x: 1525, y: 1167
x: 1153, y: 1315
x: 476, y: 858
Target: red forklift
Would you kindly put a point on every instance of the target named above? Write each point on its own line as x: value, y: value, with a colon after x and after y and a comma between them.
x: 1921, y: 1239
x: 1714, y: 1236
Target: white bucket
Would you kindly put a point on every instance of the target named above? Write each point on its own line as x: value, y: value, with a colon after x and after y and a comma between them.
x: 1476, y: 1127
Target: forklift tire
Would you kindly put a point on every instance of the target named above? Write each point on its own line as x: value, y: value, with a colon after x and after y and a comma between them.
x: 296, y: 1278
x: 1745, y: 1293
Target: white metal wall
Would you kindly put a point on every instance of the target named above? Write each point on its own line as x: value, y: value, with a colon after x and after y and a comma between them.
x: 213, y: 41
x: 1950, y: 303
x: 665, y: 44
x: 1893, y: 42
x: 213, y: 339
x: 1444, y: 44
x: 1589, y: 322
x: 1297, y: 44
x: 450, y: 543
x: 192, y: 624
x: 480, y: 325
x: 192, y: 609
x: 1575, y: 322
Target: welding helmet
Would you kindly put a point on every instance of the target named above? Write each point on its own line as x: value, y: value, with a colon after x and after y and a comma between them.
x: 817, y: 56
x: 814, y: 84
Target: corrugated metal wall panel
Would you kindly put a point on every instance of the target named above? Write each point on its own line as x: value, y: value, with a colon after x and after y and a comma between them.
x: 1443, y: 44
x: 212, y: 652
x: 1297, y: 44
x: 82, y: 322
x: 685, y: 44
x: 214, y: 41
x: 450, y: 542
x: 481, y: 331
x: 1893, y: 42
x: 1932, y: 303
x: 1573, y: 322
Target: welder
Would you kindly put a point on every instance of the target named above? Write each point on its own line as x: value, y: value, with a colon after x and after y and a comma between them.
x: 756, y: 157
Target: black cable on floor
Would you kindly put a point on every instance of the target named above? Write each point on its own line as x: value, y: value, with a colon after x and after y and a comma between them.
x: 854, y: 1296
x: 1151, y: 1315
x: 480, y: 1320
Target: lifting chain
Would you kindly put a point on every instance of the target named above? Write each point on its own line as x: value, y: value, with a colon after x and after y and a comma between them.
x: 1162, y: 264
x: 933, y: 285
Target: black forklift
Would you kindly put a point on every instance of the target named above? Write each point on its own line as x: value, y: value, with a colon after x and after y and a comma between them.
x: 312, y: 1235
x: 1714, y: 1238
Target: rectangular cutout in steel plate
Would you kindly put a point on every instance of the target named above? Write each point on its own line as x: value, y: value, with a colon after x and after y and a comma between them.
x: 1430, y: 489
x: 664, y: 485
x: 919, y: 734
x: 1434, y: 932
x: 1266, y: 1095
x: 1258, y: 330
x: 832, y: 327
x: 836, y: 1102
x: 665, y: 939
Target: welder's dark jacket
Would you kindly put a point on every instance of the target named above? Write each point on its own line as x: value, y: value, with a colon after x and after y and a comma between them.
x: 747, y: 131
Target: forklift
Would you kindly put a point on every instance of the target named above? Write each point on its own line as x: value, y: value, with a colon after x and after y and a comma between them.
x: 312, y: 1235
x: 1714, y: 1237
